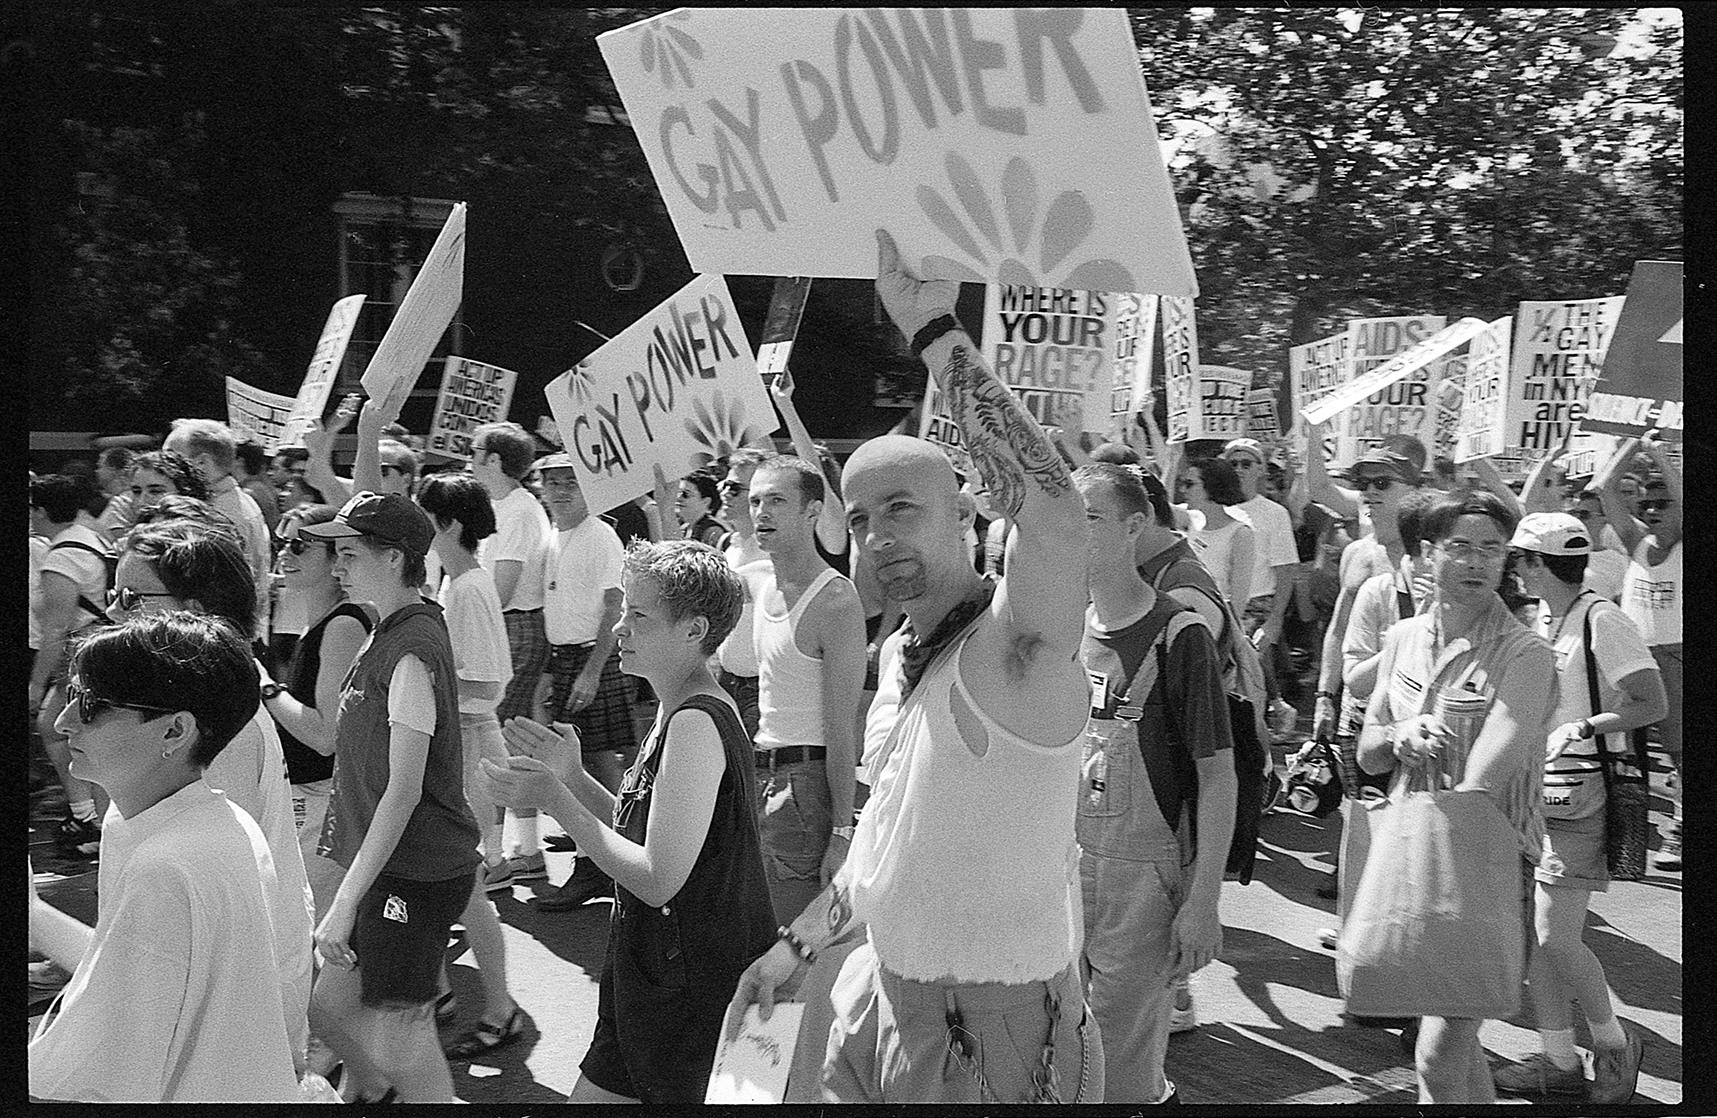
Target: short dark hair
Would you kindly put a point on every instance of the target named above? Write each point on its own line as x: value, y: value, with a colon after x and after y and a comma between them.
x: 405, y: 457
x: 748, y: 456
x: 251, y: 456
x: 1410, y: 517
x: 60, y: 496
x: 1126, y: 482
x: 176, y: 468
x: 415, y: 569
x: 1439, y: 520
x: 461, y: 498
x: 193, y: 560
x: 1569, y: 569
x: 116, y: 457
x: 694, y: 580
x: 706, y: 487
x: 811, y: 481
x: 512, y: 442
x: 1221, y: 481
x: 180, y: 660
x: 1118, y: 453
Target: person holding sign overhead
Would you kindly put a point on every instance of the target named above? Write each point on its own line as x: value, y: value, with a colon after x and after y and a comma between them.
x: 967, y: 988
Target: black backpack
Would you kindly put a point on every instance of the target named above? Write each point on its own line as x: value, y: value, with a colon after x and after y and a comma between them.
x: 110, y: 560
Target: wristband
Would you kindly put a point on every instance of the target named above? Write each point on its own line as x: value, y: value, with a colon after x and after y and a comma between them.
x: 798, y: 946
x: 930, y: 331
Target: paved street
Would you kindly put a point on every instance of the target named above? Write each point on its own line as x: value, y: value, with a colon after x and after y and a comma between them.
x: 1271, y: 1030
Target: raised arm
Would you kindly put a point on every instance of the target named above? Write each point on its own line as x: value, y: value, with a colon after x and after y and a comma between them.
x: 1338, y: 499
x: 367, y: 470
x: 1609, y: 486
x: 831, y: 521
x: 319, y: 441
x: 1668, y: 530
x: 1043, y: 594
x: 1492, y: 480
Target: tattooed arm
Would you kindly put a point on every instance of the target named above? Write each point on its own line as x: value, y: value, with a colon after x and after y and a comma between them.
x: 777, y: 972
x: 1042, y: 596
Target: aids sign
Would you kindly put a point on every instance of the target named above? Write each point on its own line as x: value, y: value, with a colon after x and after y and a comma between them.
x: 678, y: 388
x: 997, y: 145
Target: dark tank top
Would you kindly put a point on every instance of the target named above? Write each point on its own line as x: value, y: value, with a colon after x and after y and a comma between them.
x: 303, y: 764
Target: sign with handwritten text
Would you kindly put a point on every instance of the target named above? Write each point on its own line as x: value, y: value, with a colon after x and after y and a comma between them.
x: 678, y: 388
x: 324, y: 370
x: 997, y: 145
x: 256, y: 413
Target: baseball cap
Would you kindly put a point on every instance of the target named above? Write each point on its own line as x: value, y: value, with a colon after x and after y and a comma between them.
x: 556, y: 461
x: 389, y: 517
x: 1552, y: 533
x: 1248, y: 446
x: 1387, y: 458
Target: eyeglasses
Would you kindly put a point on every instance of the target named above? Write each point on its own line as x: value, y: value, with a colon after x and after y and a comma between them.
x: 1655, y: 504
x: 1462, y: 549
x: 89, y: 705
x: 298, y: 545
x: 1381, y: 484
x: 129, y: 600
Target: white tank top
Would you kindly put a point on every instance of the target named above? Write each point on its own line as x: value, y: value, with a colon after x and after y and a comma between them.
x: 965, y: 866
x: 790, y: 683
x: 1651, y: 596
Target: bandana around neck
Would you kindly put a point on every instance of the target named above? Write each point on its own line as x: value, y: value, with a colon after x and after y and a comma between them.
x: 916, y: 652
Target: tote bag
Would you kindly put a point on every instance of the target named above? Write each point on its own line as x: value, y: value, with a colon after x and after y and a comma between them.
x: 1435, y: 928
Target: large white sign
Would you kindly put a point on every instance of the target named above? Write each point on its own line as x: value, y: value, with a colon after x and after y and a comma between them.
x: 997, y: 145
x: 1221, y: 404
x: 1483, y: 421
x: 1055, y: 349
x: 678, y: 388
x: 1559, y: 349
x: 472, y: 394
x: 1315, y: 370
x: 420, y: 319
x: 324, y: 370
x: 256, y: 413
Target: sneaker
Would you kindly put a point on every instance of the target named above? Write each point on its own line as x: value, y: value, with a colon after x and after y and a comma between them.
x: 78, y: 836
x: 497, y: 876
x: 1668, y: 856
x: 532, y: 867
x: 1537, y: 1076
x: 1615, y: 1071
x: 1183, y: 1019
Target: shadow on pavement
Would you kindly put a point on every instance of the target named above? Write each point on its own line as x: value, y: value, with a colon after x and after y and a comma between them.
x: 1226, y: 1064
x: 1650, y: 980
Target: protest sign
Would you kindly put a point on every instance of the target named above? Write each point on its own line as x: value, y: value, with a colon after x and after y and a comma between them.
x: 786, y: 307
x: 678, y: 388
x: 1640, y: 385
x: 1180, y: 364
x: 1055, y: 349
x: 1448, y: 392
x: 420, y: 319
x: 472, y: 394
x: 256, y: 414
x: 324, y: 370
x: 1559, y: 349
x: 935, y: 425
x: 1482, y: 421
x: 1315, y: 370
x: 997, y: 145
x: 1261, y: 420
x: 1135, y: 342
x: 1221, y: 403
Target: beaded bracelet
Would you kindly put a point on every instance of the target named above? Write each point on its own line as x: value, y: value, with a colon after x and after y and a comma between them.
x: 799, y: 946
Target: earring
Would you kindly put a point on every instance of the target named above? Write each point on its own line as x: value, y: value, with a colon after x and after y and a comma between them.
x: 166, y: 753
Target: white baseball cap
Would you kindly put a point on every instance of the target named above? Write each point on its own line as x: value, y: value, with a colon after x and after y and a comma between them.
x: 1552, y: 533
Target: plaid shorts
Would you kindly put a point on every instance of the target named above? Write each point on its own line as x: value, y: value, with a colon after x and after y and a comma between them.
x: 527, y: 642
x: 607, y: 722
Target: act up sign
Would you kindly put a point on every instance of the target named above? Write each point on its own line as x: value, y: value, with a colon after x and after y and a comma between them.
x: 472, y: 394
x: 678, y: 388
x: 997, y: 145
x: 1641, y: 384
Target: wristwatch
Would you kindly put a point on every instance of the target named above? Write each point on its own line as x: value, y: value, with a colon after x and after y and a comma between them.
x: 271, y: 690
x: 843, y: 832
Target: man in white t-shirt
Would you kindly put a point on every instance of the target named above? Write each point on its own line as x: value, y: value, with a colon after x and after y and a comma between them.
x: 1276, y: 556
x: 71, y: 594
x: 501, y: 458
x: 208, y: 444
x: 581, y: 603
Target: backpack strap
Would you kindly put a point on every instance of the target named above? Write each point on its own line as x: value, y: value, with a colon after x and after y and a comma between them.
x: 107, y: 561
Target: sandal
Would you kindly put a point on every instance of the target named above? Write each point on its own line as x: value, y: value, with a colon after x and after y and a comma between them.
x: 485, y: 1037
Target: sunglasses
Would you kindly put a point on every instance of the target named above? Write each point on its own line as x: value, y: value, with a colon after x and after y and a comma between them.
x: 1381, y: 484
x: 1655, y: 504
x: 130, y: 600
x: 89, y: 704
x: 298, y: 545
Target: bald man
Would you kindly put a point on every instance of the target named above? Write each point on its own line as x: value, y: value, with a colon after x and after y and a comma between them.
x: 963, y: 872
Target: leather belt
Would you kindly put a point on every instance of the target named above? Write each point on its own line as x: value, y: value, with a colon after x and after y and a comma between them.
x: 787, y: 755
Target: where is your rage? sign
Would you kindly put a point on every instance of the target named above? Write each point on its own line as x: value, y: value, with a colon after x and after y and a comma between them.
x: 997, y: 145
x: 678, y: 388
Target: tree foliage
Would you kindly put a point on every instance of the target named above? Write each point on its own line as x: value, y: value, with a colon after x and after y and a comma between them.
x: 1405, y: 161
